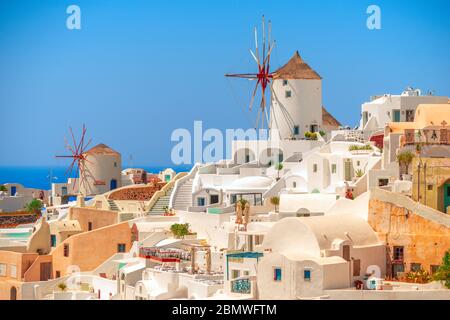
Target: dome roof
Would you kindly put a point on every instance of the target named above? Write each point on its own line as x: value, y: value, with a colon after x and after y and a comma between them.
x: 252, y: 182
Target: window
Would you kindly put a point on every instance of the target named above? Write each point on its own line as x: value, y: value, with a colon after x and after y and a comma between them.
x: 358, y: 163
x: 383, y: 182
x: 398, y: 253
x: 314, y: 128
x: 115, y: 164
x: 288, y: 94
x: 66, y: 250
x: 2, y: 269
x: 434, y: 268
x: 234, y: 274
x: 214, y: 198
x: 296, y: 130
x: 200, y: 202
x: 285, y: 82
x: 294, y: 184
x: 415, y: 267
x: 315, y: 167
x: 13, y: 271
x: 121, y: 247
x: 64, y: 191
x: 307, y: 275
x: 89, y: 226
x: 409, y: 115
x: 277, y: 274
x: 346, y: 252
x: 57, y: 274
x: 430, y: 187
x: 333, y: 168
x: 233, y: 198
x: 246, y: 272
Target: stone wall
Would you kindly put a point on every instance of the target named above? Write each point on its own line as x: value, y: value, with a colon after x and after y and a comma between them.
x: 11, y: 220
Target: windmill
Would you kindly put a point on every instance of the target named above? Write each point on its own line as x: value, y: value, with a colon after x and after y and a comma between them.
x: 263, y: 77
x: 79, y: 158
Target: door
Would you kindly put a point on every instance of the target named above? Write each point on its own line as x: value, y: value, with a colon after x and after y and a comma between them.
x: 346, y: 252
x: 13, y: 190
x: 446, y: 196
x: 167, y: 177
x: 113, y: 184
x: 46, y: 271
x: 348, y: 170
x: 314, y: 128
x: 13, y: 293
x: 396, y: 115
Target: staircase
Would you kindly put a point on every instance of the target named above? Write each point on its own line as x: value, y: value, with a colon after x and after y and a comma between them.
x: 160, y: 205
x: 112, y: 205
x: 184, y: 196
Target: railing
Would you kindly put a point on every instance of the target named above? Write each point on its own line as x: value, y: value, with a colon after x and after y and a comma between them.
x: 242, y: 286
x: 163, y: 191
x: 164, y: 255
x: 427, y: 136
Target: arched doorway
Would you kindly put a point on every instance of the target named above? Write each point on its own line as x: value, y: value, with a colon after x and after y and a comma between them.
x: 13, y: 293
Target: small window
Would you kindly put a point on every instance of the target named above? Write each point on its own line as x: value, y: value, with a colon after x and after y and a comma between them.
x: 66, y: 250
x: 434, y: 268
x: 296, y: 130
x: 57, y: 274
x: 277, y: 274
x: 356, y: 267
x: 246, y: 273
x: 214, y: 198
x: 383, y: 182
x: 89, y: 226
x: 285, y: 82
x: 415, y: 267
x: 333, y: 168
x: 13, y: 271
x: 315, y: 167
x: 294, y: 184
x: 200, y: 202
x: 115, y: 164
x: 358, y: 163
x: 121, y: 247
x: 288, y: 93
x: 3, y: 269
x: 398, y: 253
x: 53, y: 240
x: 430, y: 187
x: 234, y: 274
x: 307, y: 275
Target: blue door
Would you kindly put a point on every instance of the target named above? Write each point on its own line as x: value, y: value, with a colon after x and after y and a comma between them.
x: 13, y: 190
x: 446, y: 196
x: 113, y: 184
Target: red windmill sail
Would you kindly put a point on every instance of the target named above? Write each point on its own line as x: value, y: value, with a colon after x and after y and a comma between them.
x: 78, y: 156
x: 263, y: 76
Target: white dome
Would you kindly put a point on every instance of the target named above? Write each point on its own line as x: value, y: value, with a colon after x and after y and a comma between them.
x: 252, y: 182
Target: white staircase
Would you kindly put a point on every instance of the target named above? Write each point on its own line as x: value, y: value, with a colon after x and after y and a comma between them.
x: 183, y: 198
x: 159, y: 208
x: 112, y: 205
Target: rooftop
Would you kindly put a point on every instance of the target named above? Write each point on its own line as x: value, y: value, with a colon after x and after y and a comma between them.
x: 296, y: 68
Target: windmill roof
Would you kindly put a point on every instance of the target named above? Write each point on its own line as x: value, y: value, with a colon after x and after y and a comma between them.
x: 328, y: 119
x: 102, y: 149
x: 296, y: 68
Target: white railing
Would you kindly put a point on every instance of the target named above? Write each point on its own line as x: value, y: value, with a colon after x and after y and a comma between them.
x: 180, y: 182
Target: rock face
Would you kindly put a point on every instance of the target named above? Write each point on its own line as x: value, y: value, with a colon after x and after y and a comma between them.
x: 135, y: 193
x: 11, y: 220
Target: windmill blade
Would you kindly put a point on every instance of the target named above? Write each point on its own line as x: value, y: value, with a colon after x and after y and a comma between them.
x: 80, y: 145
x: 257, y: 118
x: 256, y: 44
x: 242, y: 75
x: 86, y: 146
x: 73, y: 139
x: 254, y: 57
x: 253, y: 96
x: 268, y: 54
x: 269, y: 31
x: 264, y: 40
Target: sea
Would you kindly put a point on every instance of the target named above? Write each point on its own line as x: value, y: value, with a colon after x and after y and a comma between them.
x: 42, y: 177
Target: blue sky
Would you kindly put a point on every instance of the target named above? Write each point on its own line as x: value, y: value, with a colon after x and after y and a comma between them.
x: 139, y: 69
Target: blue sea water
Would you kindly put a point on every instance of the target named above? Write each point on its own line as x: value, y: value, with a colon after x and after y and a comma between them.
x: 42, y: 177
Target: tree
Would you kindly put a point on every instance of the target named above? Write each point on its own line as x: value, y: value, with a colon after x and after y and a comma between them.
x: 405, y: 158
x: 180, y: 230
x: 3, y: 188
x: 275, y: 201
x: 443, y: 272
x: 34, y: 206
x: 279, y: 167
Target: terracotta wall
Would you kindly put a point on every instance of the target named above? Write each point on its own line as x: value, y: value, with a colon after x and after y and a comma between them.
x: 89, y: 249
x: 424, y: 240
x: 99, y: 218
x: 22, y: 261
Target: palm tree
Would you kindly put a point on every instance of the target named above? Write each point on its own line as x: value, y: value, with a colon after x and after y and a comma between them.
x: 34, y: 206
x: 405, y: 158
x: 275, y: 201
x: 279, y: 167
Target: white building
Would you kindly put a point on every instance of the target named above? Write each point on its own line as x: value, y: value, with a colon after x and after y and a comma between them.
x: 305, y: 256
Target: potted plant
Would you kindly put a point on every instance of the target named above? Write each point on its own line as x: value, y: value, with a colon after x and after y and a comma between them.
x: 179, y: 230
x: 404, y: 159
x: 279, y: 167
